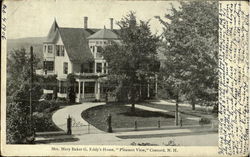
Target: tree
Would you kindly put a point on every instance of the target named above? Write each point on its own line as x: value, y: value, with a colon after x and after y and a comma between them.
x: 131, y: 60
x: 19, y: 123
x: 191, y: 50
x: 18, y: 69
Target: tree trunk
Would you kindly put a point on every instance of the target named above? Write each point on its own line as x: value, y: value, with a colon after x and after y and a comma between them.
x: 176, y: 110
x: 132, y: 107
x: 193, y: 106
x: 193, y: 103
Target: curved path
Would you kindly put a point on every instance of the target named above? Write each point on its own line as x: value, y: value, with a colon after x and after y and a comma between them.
x: 89, y: 135
x: 79, y: 125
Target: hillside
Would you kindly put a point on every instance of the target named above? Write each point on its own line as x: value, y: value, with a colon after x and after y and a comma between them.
x: 36, y: 42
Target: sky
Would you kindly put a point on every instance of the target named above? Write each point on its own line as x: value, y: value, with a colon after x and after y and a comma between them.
x: 33, y: 18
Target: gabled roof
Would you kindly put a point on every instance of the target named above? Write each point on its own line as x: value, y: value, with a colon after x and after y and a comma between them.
x: 104, y: 34
x: 75, y: 43
x: 53, y: 33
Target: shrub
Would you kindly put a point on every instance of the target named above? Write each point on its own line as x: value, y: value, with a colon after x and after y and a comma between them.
x: 204, y: 120
x: 43, y: 122
x: 50, y: 105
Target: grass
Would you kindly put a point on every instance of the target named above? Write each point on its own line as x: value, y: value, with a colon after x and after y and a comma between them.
x: 186, y: 111
x: 122, y: 117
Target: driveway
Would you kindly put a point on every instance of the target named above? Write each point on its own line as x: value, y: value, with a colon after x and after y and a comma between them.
x: 89, y: 135
x: 79, y: 125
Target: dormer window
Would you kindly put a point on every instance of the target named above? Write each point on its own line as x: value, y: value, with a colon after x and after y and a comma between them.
x: 50, y: 49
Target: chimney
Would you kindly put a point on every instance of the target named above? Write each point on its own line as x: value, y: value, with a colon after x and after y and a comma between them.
x: 85, y: 22
x: 111, y: 23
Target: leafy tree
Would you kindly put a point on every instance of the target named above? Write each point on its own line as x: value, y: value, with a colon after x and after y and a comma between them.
x: 131, y: 61
x: 191, y: 50
x: 18, y: 69
x: 18, y: 92
x: 18, y: 122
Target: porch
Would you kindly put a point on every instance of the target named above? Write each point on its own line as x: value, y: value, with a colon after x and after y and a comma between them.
x: 88, y: 90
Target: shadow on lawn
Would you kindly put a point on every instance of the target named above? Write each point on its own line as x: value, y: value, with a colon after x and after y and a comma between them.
x: 144, y: 113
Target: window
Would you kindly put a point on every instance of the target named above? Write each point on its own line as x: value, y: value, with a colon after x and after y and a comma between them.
x: 98, y: 67
x: 49, y: 65
x: 50, y: 49
x: 57, y: 50
x: 87, y: 67
x: 62, y: 50
x: 99, y: 49
x: 89, y: 87
x: 81, y: 87
x: 65, y: 68
x: 105, y: 68
x: 63, y: 87
x: 45, y: 48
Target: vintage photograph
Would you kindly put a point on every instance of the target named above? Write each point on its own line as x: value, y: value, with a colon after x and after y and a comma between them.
x: 128, y: 73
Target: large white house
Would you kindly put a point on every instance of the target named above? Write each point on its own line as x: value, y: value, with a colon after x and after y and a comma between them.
x: 77, y: 51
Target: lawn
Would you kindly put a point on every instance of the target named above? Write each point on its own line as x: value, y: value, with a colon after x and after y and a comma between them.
x: 185, y: 111
x: 123, y: 118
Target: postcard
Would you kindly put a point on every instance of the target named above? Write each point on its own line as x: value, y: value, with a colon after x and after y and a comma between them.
x: 124, y: 78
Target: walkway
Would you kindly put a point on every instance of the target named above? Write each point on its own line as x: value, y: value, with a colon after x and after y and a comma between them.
x: 81, y: 136
x: 78, y: 123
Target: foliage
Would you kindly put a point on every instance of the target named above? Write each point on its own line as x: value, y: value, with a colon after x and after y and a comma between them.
x: 204, y: 120
x: 43, y: 122
x: 43, y: 114
x: 47, y: 104
x: 132, y: 60
x: 17, y: 117
x: 18, y: 93
x: 191, y: 50
x: 71, y: 83
x: 18, y: 69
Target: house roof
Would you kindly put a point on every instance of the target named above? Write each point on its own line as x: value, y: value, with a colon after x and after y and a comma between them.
x: 75, y: 43
x: 103, y: 34
x: 75, y: 40
x: 53, y: 33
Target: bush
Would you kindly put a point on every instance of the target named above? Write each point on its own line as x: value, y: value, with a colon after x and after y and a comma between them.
x: 46, y: 104
x: 50, y: 105
x: 204, y: 120
x: 43, y: 122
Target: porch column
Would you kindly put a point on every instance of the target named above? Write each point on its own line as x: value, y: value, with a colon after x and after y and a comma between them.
x: 79, y: 91
x: 102, y: 67
x: 97, y: 90
x: 60, y: 86
x: 83, y: 89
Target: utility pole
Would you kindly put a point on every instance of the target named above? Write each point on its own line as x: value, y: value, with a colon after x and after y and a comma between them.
x: 31, y: 86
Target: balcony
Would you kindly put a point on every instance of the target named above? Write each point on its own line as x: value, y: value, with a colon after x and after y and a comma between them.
x: 89, y: 75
